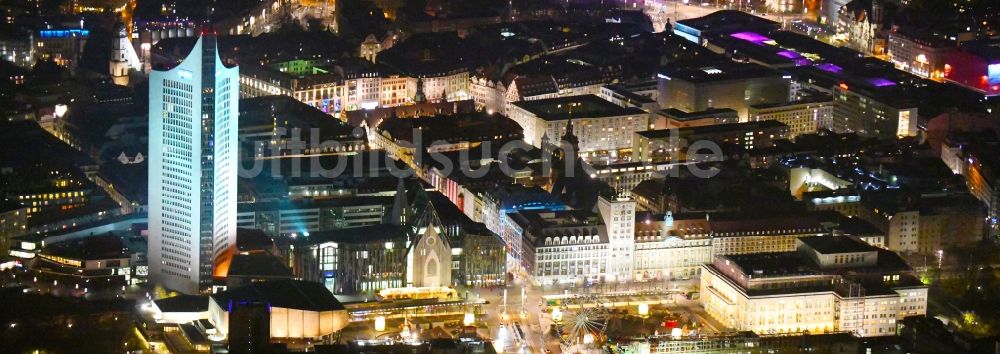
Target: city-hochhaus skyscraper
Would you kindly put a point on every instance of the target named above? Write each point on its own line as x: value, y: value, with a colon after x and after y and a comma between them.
x: 192, y: 169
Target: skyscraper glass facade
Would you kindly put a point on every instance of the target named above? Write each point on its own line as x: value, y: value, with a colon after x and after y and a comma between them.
x: 192, y: 171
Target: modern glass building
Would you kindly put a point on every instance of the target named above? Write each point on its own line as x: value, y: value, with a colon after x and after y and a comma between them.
x: 192, y: 169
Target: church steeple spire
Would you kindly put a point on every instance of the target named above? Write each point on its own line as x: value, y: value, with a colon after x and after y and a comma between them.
x: 420, y: 97
x: 569, y: 137
x: 119, y: 65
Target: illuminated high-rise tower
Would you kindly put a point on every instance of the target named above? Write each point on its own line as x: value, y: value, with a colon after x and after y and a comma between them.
x: 192, y: 169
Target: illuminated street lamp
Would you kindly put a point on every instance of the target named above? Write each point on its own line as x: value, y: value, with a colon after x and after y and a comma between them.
x: 470, y: 319
x: 644, y: 310
x: 379, y: 323
x: 556, y: 315
x: 588, y: 338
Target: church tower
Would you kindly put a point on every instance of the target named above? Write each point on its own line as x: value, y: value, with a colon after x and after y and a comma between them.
x: 119, y: 65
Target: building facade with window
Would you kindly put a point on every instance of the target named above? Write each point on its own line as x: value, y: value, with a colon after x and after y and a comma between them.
x: 828, y: 284
x: 192, y: 169
x: 603, y: 128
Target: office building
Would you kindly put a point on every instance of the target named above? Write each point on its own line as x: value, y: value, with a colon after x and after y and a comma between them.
x: 502, y: 199
x: 88, y: 263
x: 603, y: 128
x: 668, y: 249
x: 721, y: 85
x: 574, y: 246
x: 18, y: 49
x: 303, y: 216
x: 355, y: 260
x: 192, y: 169
x: 826, y: 284
x: 332, y: 87
x: 743, y: 342
x: 773, y: 234
x: 429, y: 243
x: 558, y: 247
x: 536, y: 81
x: 63, y: 46
x: 802, y: 117
x: 919, y: 53
x: 674, y: 118
x: 870, y: 97
x: 911, y: 224
x: 406, y: 139
x: 618, y: 213
x: 13, y: 222
x: 280, y: 125
x: 976, y: 162
x: 671, y: 145
x: 872, y: 111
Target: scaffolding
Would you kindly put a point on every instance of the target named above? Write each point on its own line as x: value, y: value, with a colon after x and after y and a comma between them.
x: 851, y: 307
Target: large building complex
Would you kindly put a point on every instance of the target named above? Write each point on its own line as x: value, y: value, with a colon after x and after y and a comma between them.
x: 428, y: 243
x: 491, y: 176
x: 192, y: 169
x: 602, y: 127
x: 336, y: 87
x: 829, y: 283
x: 869, y: 112
x: 672, y: 145
x: 618, y: 244
x: 801, y: 117
x: 921, y: 54
x: 914, y: 224
x: 723, y: 85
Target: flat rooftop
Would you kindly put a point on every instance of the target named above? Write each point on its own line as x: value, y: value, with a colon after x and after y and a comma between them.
x: 728, y: 20
x: 289, y: 294
x: 858, y: 227
x: 772, y: 264
x: 836, y: 244
x: 357, y: 235
x: 476, y: 126
x: 717, y: 72
x: 680, y: 115
x: 88, y: 248
x: 822, y: 98
x: 183, y: 303
x: 712, y: 129
x: 583, y: 106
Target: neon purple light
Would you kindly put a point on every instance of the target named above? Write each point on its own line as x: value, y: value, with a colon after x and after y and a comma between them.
x: 833, y: 68
x: 789, y: 54
x: 752, y: 37
x: 803, y: 62
x: 880, y: 82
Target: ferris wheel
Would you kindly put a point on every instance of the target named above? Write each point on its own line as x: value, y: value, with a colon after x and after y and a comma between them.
x: 581, y: 321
